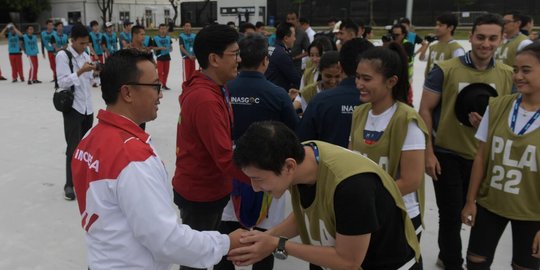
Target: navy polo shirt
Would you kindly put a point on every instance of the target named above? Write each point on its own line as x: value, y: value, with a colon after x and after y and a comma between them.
x: 281, y: 70
x: 328, y: 116
x: 255, y: 99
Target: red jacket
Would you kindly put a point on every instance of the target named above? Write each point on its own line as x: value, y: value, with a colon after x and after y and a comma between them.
x: 204, y: 167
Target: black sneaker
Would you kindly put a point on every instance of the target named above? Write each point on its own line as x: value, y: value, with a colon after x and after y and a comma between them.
x: 36, y: 81
x: 29, y: 82
x: 69, y: 194
x: 165, y: 87
x: 14, y: 80
x: 2, y: 78
x: 52, y: 80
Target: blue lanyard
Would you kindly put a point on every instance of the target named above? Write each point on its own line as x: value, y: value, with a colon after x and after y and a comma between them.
x: 515, y: 114
x: 315, y: 151
x: 228, y: 105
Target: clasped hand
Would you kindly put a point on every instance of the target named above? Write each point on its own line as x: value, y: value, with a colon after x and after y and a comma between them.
x: 252, y: 246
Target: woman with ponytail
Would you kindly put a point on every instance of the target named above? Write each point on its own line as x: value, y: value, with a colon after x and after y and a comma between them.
x: 386, y: 129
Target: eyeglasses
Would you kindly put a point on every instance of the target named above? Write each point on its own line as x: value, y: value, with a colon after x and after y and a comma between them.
x: 156, y: 86
x: 236, y: 54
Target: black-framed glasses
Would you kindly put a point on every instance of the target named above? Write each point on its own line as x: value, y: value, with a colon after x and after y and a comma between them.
x: 235, y: 54
x: 156, y: 86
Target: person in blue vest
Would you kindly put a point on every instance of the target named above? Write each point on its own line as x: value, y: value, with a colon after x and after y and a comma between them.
x: 30, y: 47
x: 125, y: 36
x: 163, y: 50
x: 96, y: 51
x: 328, y: 116
x: 109, y: 41
x: 186, y: 40
x: 46, y: 46
x: 14, y: 37
x: 59, y: 40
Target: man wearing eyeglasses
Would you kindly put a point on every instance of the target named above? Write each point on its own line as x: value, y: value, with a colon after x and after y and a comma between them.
x: 122, y: 186
x: 79, y: 119
x: 514, y: 40
x: 204, y: 170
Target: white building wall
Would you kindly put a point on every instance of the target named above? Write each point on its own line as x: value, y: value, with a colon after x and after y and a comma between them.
x: 137, y: 8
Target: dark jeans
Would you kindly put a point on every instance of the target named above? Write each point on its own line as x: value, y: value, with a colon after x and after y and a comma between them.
x: 486, y: 233
x: 201, y: 219
x: 451, y: 193
x: 227, y: 227
x: 75, y: 126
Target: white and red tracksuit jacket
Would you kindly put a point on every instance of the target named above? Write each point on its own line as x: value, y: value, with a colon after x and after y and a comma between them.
x: 125, y: 199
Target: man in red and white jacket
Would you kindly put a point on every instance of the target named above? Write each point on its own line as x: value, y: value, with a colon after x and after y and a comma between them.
x: 122, y: 187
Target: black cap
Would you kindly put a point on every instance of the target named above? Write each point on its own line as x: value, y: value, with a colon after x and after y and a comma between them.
x: 473, y: 98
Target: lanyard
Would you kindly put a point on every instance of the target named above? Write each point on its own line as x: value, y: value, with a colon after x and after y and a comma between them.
x: 315, y: 151
x: 228, y: 105
x: 515, y: 114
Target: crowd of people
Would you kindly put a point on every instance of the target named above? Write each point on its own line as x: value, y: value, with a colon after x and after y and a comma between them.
x: 325, y: 116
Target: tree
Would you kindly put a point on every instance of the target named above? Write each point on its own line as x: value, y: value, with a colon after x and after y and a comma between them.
x: 106, y: 8
x: 200, y: 11
x: 174, y: 4
x: 29, y: 8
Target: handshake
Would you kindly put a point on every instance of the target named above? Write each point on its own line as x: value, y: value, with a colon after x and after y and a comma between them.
x: 249, y: 247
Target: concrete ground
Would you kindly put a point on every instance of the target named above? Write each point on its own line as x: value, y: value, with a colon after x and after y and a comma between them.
x: 40, y: 230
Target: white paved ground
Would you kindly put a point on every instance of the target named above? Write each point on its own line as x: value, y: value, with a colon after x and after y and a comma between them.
x: 40, y: 230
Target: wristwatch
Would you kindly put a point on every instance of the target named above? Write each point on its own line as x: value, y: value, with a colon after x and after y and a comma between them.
x: 280, y: 253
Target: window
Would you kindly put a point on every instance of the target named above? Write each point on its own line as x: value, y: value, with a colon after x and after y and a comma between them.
x: 124, y: 15
x: 74, y: 17
x: 167, y: 15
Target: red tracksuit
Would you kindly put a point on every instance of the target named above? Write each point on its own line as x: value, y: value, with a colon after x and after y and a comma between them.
x: 16, y: 66
x: 52, y: 62
x: 189, y: 68
x: 32, y: 74
x: 163, y: 70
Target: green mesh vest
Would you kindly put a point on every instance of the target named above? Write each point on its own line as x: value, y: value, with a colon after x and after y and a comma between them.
x: 387, y: 151
x: 511, y: 187
x: 451, y: 134
x: 309, y: 91
x: 507, y: 51
x: 309, y: 74
x: 440, y: 51
x: 335, y: 165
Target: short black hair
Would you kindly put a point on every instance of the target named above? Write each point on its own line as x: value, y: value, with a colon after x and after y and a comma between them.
x: 186, y: 22
x: 48, y: 21
x: 449, y: 19
x: 231, y: 23
x: 94, y: 22
x: 303, y: 20
x: 136, y: 29
x: 328, y: 59
x: 244, y: 26
x: 253, y: 50
x: 332, y: 19
x: 367, y: 30
x: 293, y: 12
x: 322, y: 43
x: 516, y: 15
x: 405, y: 21
x: 349, y: 25
x: 119, y: 69
x: 213, y: 39
x: 78, y: 31
x: 350, y: 53
x: 259, y: 24
x: 28, y: 26
x: 403, y: 30
x: 266, y: 145
x: 161, y: 25
x: 488, y: 18
x: 525, y: 19
x: 283, y: 30
x: 58, y: 23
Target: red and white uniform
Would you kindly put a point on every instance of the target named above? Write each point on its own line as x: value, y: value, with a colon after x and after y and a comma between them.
x: 125, y: 199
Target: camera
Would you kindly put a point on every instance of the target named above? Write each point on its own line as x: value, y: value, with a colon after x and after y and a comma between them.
x: 98, y: 65
x: 430, y: 38
x: 387, y: 38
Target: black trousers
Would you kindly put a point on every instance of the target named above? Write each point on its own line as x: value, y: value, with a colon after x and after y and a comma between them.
x: 227, y: 227
x: 75, y: 126
x: 451, y: 193
x: 200, y: 219
x: 486, y: 233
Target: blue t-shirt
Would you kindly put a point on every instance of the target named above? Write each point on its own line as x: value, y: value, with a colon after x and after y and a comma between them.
x: 13, y: 43
x: 187, y: 41
x: 328, y: 116
x: 30, y: 45
x: 46, y: 41
x: 164, y: 42
x: 111, y: 42
x: 96, y: 38
x: 256, y: 99
x: 125, y: 37
x: 60, y: 41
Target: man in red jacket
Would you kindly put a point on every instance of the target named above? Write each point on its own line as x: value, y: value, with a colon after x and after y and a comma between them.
x: 204, y: 170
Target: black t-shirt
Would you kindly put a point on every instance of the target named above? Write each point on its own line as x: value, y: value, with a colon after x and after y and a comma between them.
x: 363, y: 205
